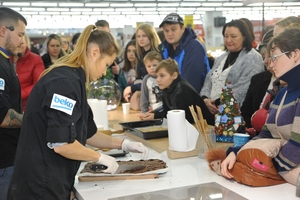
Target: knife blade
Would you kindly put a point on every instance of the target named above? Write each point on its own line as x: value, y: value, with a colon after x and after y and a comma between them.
x: 122, y: 168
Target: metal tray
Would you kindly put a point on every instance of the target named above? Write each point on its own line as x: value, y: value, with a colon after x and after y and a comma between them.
x: 132, y: 128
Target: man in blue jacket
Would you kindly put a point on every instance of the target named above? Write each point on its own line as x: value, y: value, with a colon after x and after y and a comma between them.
x: 181, y: 44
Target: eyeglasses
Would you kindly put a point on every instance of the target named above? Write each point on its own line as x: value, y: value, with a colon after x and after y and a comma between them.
x: 274, y: 57
x: 65, y: 42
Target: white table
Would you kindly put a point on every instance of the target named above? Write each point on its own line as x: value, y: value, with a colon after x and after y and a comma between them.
x: 182, y: 172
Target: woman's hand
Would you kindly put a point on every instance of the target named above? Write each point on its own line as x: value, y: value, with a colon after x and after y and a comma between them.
x: 126, y: 93
x: 228, y: 164
x: 146, y: 116
x: 211, y: 106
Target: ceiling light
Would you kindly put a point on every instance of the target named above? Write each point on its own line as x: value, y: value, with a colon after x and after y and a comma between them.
x: 28, y: 13
x: 159, y: 5
x: 124, y: 9
x: 291, y: 3
x: 130, y: 13
x: 243, y: 8
x: 97, y: 5
x: 71, y: 4
x: 81, y: 9
x: 103, y: 9
x: 15, y: 4
x: 58, y: 9
x: 121, y: 5
x: 49, y: 13
x: 232, y: 4
x: 212, y: 4
x: 190, y: 4
x: 223, y: 8
x: 70, y: 13
x: 43, y: 4
x: 145, y: 4
x: 146, y: 9
x: 273, y: 4
x: 149, y: 13
x: 110, y: 13
x: 187, y: 9
x: 205, y: 9
x: 32, y: 9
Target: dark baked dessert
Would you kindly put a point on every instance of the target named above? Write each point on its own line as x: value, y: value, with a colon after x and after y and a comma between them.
x: 150, y: 165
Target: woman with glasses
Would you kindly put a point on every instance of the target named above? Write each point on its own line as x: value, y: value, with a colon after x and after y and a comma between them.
x: 264, y: 86
x: 65, y: 44
x: 284, y: 113
x: 54, y: 50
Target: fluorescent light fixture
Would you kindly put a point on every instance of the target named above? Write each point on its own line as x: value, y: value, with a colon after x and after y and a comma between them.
x: 223, y: 8
x: 163, y: 13
x: 15, y: 4
x: 71, y: 4
x: 81, y: 9
x: 159, y: 5
x: 143, y: 0
x: 104, y: 9
x: 145, y: 5
x: 190, y: 4
x: 149, y: 13
x: 70, y: 13
x: 199, y: 12
x: 169, y: 0
x: 130, y: 13
x: 28, y: 13
x: 212, y: 4
x: 32, y: 9
x: 277, y: 8
x: 185, y: 13
x: 43, y: 4
x: 96, y: 5
x: 49, y: 13
x: 146, y: 9
x: 273, y: 4
x: 205, y: 9
x: 243, y: 8
x: 233, y: 4
x: 185, y: 9
x: 90, y: 13
x: 291, y: 3
x: 255, y: 4
x: 58, y: 9
x: 256, y: 8
x: 121, y: 5
x: 125, y: 9
x: 110, y: 13
x: 167, y: 9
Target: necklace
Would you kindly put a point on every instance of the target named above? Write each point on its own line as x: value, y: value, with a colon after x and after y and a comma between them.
x: 231, y: 63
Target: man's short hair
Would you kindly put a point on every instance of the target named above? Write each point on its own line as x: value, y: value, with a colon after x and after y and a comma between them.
x: 8, y: 15
x: 102, y: 23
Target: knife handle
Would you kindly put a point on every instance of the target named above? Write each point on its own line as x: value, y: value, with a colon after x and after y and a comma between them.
x: 96, y: 166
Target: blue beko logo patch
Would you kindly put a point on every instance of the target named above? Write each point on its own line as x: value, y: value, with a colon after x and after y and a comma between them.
x: 62, y: 103
x: 2, y: 84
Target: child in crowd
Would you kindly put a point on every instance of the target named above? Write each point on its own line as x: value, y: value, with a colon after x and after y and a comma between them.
x: 147, y: 40
x: 130, y: 62
x: 151, y: 97
x: 177, y: 93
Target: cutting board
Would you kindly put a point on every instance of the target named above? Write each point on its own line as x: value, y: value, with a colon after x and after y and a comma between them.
x: 114, y: 178
x: 162, y: 144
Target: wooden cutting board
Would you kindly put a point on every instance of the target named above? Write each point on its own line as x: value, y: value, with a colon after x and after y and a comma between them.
x: 162, y: 144
x: 114, y: 178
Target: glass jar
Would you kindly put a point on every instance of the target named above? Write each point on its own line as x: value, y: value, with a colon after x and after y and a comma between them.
x: 105, y: 89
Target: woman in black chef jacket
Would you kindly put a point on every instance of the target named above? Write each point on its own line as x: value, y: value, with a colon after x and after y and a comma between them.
x: 58, y: 123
